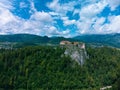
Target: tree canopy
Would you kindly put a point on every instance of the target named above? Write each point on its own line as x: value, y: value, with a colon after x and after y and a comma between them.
x: 47, y: 68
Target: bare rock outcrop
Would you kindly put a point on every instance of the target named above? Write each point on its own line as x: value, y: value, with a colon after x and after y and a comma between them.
x: 76, y: 51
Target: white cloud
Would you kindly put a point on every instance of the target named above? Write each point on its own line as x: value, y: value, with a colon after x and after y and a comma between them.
x: 43, y: 23
x: 54, y: 32
x: 76, y: 11
x: 6, y: 16
x: 61, y: 9
x: 40, y: 23
x: 92, y: 10
x: 97, y: 27
x: 32, y: 6
x: 100, y: 27
x: 67, y: 22
x: 6, y: 4
x: 8, y: 22
x: 54, y: 5
x: 113, y: 4
x: 83, y: 27
x: 114, y: 25
x: 41, y: 16
x: 23, y: 5
x: 89, y: 22
x: 53, y: 13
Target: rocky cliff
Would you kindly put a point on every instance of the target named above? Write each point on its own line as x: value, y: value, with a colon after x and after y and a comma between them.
x: 77, y: 52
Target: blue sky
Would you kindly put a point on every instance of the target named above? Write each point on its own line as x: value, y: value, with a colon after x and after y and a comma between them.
x: 66, y: 18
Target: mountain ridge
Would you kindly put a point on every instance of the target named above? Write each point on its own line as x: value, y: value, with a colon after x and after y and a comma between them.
x: 104, y: 39
x: 101, y: 39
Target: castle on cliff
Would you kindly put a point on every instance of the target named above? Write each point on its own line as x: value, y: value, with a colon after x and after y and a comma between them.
x: 78, y: 44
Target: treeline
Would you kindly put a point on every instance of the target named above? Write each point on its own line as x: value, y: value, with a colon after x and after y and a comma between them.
x: 47, y: 68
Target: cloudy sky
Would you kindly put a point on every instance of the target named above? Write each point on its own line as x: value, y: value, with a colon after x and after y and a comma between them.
x: 59, y: 17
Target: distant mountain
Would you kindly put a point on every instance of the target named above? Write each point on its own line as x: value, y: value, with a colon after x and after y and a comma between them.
x: 23, y: 38
x: 29, y: 38
x: 104, y: 39
x: 95, y: 39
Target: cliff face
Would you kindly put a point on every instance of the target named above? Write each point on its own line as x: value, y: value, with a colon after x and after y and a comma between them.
x: 76, y: 52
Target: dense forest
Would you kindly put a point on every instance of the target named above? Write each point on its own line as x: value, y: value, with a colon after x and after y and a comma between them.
x: 47, y: 68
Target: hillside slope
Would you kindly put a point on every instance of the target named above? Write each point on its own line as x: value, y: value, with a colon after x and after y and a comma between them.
x: 24, y: 38
x: 105, y: 39
x: 29, y: 38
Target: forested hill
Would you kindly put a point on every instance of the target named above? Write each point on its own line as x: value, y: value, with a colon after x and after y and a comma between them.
x: 29, y: 38
x: 101, y: 39
x: 23, y: 38
x: 30, y: 68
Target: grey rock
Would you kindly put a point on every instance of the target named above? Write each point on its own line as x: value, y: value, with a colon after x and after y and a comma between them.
x: 77, y: 53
